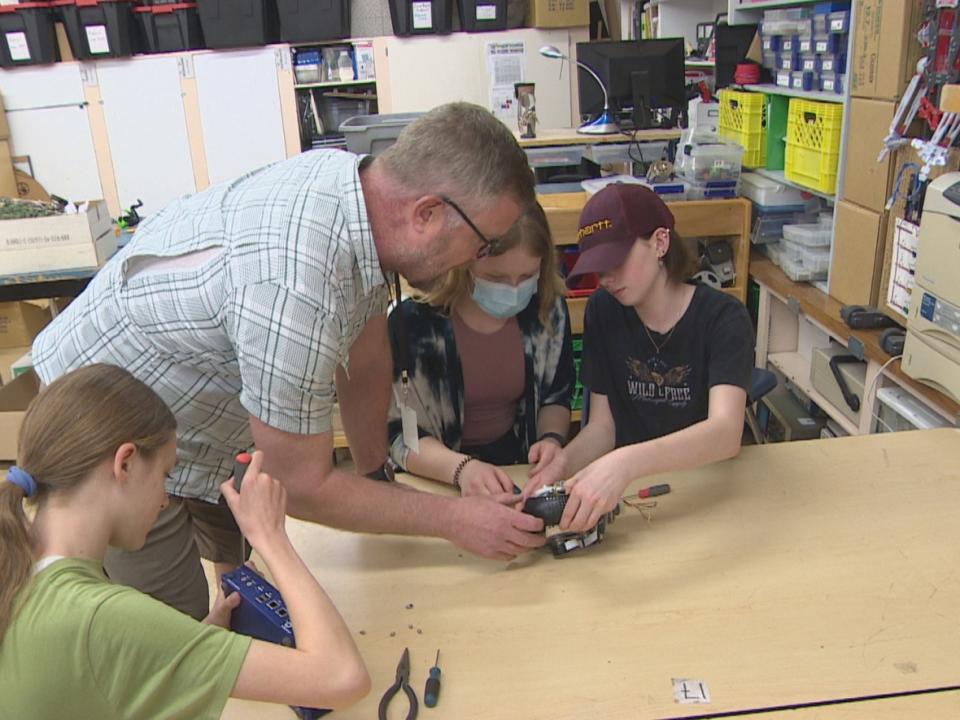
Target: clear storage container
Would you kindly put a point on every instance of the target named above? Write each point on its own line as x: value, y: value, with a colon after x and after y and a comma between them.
x: 812, y: 235
x: 798, y: 272
x: 767, y: 193
x: 713, y: 162
x: 712, y: 190
x: 815, y: 258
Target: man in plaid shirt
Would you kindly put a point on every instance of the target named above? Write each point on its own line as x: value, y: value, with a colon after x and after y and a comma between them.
x: 249, y: 307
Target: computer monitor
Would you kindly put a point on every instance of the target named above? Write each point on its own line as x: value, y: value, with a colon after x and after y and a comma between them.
x: 650, y: 70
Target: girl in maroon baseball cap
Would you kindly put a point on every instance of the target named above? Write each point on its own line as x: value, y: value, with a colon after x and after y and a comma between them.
x: 666, y: 363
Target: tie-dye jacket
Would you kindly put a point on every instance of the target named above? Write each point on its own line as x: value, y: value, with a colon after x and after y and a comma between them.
x: 435, y: 390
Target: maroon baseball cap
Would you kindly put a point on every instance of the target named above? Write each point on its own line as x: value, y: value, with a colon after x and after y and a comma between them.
x: 610, y: 223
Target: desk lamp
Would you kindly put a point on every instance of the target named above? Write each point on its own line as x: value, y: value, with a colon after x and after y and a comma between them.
x: 604, y: 124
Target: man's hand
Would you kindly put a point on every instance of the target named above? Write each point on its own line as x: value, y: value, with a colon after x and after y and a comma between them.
x: 222, y: 607
x: 594, y: 491
x: 480, y: 478
x: 549, y: 466
x: 486, y: 526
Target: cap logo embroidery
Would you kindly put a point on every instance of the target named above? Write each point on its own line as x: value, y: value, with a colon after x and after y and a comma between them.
x: 594, y: 227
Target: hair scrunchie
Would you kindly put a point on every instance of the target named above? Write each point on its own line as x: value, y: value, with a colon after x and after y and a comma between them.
x: 22, y: 479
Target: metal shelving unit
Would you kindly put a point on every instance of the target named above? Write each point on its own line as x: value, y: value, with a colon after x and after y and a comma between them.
x: 817, y: 95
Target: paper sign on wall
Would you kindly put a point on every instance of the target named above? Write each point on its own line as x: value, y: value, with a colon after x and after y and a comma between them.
x: 423, y: 15
x: 17, y: 44
x: 97, y: 39
x: 903, y: 264
x: 505, y: 65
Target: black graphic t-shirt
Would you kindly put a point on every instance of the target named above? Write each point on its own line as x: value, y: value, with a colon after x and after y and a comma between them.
x: 653, y: 393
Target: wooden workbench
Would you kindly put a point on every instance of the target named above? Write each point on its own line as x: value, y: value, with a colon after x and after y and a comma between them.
x: 795, y: 573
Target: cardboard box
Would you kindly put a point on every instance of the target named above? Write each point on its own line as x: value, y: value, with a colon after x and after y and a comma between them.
x: 82, y: 241
x: 885, y: 48
x: 868, y: 182
x: 8, y: 180
x: 857, y: 254
x: 20, y: 322
x: 14, y: 399
x: 558, y: 13
x: 9, y: 357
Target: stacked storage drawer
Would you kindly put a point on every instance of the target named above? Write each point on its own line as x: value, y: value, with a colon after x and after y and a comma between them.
x: 806, y: 48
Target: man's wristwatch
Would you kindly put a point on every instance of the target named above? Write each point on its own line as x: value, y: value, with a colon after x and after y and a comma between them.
x: 384, y: 473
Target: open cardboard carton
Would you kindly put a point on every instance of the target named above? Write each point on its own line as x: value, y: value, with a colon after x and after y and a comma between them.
x: 15, y: 396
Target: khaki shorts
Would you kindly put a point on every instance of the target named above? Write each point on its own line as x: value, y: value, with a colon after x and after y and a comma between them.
x: 168, y: 566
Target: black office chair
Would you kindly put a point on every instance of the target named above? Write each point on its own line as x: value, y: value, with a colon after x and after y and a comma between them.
x: 762, y: 381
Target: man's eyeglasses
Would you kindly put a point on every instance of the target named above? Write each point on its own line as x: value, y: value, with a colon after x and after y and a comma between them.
x: 489, y: 244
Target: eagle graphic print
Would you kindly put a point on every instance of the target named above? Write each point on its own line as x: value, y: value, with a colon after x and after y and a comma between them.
x: 655, y: 382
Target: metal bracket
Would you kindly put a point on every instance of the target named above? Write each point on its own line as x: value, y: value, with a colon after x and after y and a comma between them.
x: 794, y: 305
x: 855, y: 346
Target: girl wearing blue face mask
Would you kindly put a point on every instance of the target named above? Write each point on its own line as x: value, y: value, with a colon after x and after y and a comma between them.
x: 489, y: 356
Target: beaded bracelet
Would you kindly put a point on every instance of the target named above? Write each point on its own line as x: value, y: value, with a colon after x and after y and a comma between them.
x: 561, y: 440
x: 456, y: 473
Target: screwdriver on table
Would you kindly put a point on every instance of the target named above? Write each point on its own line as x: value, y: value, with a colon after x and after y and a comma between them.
x: 431, y: 693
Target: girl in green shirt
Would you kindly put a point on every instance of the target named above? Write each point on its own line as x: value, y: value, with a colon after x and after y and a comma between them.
x: 94, y: 451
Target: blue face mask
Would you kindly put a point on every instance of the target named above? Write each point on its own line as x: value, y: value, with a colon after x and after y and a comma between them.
x: 501, y: 300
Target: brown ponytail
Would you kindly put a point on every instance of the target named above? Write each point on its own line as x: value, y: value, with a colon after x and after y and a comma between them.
x: 68, y: 430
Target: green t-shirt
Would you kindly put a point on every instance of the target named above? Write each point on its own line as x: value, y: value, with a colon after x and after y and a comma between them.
x: 82, y: 647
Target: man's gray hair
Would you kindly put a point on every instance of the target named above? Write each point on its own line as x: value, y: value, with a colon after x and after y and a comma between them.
x: 462, y: 151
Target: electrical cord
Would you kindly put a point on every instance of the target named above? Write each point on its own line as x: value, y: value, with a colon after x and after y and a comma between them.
x: 869, y: 392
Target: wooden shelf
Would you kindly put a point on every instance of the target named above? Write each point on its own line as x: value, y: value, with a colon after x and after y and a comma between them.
x: 796, y: 369
x: 770, y: 4
x: 694, y: 219
x: 780, y: 177
x: 825, y: 311
x: 306, y: 86
x: 819, y: 96
x: 569, y: 136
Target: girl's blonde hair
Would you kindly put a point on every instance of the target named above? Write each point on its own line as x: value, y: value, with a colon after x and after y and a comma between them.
x: 530, y: 232
x: 68, y: 430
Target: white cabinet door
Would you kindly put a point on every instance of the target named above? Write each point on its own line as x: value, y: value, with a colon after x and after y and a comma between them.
x: 48, y: 121
x: 240, y: 111
x: 147, y: 130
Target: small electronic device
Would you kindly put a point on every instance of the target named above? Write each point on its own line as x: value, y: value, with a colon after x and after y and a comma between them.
x: 860, y: 317
x: 548, y: 504
x: 892, y: 340
x: 718, y: 258
x: 261, y: 614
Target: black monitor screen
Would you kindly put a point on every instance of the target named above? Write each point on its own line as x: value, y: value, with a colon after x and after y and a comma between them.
x: 662, y: 61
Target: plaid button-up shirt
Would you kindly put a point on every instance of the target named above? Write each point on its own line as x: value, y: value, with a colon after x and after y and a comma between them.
x: 239, y: 300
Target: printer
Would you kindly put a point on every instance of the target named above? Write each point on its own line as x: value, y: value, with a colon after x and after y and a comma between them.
x: 931, y: 353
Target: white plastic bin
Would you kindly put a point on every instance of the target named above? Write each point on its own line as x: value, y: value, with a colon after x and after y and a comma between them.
x: 769, y: 193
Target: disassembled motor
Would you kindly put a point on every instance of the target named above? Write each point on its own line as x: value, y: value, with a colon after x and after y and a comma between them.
x: 548, y: 504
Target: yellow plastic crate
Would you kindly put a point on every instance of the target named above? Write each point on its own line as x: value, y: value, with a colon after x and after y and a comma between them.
x: 743, y: 120
x: 813, y: 144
